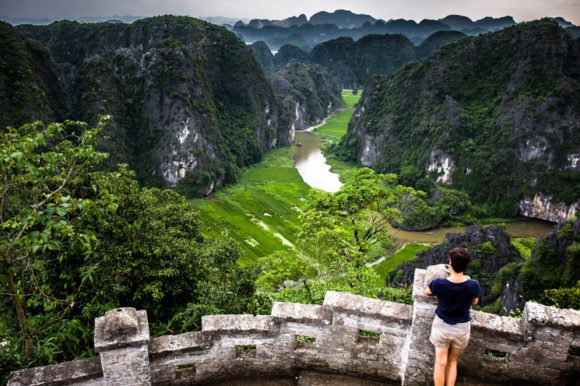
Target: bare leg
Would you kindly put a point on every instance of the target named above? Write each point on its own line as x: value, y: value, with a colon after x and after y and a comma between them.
x: 440, y: 365
x: 451, y: 369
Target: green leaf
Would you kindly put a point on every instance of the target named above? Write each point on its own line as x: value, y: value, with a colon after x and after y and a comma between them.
x: 53, y: 245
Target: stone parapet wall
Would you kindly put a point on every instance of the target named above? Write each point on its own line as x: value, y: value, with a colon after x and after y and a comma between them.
x: 349, y: 335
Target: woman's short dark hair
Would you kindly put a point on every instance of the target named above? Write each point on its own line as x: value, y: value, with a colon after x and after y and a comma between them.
x: 460, y: 259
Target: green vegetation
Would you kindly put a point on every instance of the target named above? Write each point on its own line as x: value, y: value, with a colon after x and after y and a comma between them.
x: 369, y: 334
x: 29, y: 82
x: 268, y: 195
x: 524, y: 245
x: 78, y: 242
x: 178, y: 79
x: 307, y: 88
x: 407, y: 253
x: 338, y: 232
x: 336, y: 125
x: 552, y: 277
x: 305, y: 339
x: 564, y: 297
x: 350, y: 98
x: 485, y: 124
x: 351, y: 62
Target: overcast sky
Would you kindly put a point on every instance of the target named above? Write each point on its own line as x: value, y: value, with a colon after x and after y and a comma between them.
x: 521, y: 10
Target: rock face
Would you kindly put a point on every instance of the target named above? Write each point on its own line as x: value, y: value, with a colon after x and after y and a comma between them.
x: 487, y: 260
x: 554, y: 264
x: 29, y: 87
x: 190, y: 103
x: 497, y: 116
x: 543, y: 207
x: 308, y: 94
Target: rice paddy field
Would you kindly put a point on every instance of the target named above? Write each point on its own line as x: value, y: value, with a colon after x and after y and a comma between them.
x: 337, y: 125
x: 261, y: 212
x: 407, y: 252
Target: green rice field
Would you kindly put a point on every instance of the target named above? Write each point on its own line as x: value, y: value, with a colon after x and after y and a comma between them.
x: 406, y: 253
x: 261, y: 212
x: 349, y: 99
x: 337, y: 125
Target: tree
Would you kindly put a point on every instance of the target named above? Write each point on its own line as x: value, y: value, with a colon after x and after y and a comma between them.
x: 41, y: 222
x: 339, y: 229
x: 77, y: 242
x: 347, y: 223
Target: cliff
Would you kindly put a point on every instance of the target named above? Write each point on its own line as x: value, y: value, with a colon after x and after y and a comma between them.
x: 497, y: 116
x: 554, y: 265
x: 490, y: 249
x: 190, y: 103
x: 29, y: 87
x: 308, y: 94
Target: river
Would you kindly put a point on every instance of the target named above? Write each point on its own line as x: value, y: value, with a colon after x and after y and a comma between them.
x: 312, y: 166
x: 526, y: 228
x: 311, y: 163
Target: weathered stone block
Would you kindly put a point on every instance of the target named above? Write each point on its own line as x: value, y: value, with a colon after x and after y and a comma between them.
x: 498, y: 324
x: 539, y: 315
x: 172, y: 343
x: 215, y: 323
x: 121, y: 327
x: 359, y: 305
x: 302, y: 312
x: 83, y: 370
x: 126, y: 366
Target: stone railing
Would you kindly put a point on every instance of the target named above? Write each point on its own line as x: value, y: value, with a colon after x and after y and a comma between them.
x: 348, y: 335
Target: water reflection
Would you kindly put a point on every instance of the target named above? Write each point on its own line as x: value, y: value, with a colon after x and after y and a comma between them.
x: 531, y: 228
x: 311, y: 163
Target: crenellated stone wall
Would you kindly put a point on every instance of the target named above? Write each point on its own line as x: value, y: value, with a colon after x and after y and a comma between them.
x: 349, y: 335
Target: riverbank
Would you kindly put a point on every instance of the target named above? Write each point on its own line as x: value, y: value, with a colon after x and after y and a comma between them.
x: 261, y: 212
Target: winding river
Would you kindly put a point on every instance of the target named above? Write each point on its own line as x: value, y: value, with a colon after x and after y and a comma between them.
x: 312, y: 166
x: 311, y: 163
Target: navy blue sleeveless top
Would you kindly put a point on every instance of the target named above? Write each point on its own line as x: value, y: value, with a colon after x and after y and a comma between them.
x: 454, y: 299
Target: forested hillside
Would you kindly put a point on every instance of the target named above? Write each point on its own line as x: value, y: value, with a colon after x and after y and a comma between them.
x: 351, y: 62
x: 497, y: 116
x: 190, y: 104
x: 308, y: 94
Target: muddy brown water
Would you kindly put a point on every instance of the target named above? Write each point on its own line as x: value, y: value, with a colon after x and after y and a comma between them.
x: 527, y: 228
x: 312, y: 166
x: 311, y: 163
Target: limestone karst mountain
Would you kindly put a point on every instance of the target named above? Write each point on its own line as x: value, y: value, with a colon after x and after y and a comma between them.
x: 190, y: 103
x: 324, y: 26
x: 496, y: 115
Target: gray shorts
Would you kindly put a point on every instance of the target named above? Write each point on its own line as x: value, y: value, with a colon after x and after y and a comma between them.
x: 444, y: 335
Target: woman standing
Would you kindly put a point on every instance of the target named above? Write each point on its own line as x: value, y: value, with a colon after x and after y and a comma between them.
x: 451, y: 327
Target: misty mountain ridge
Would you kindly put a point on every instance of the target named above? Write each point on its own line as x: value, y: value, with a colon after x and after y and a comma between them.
x: 323, y: 26
x: 351, y: 62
